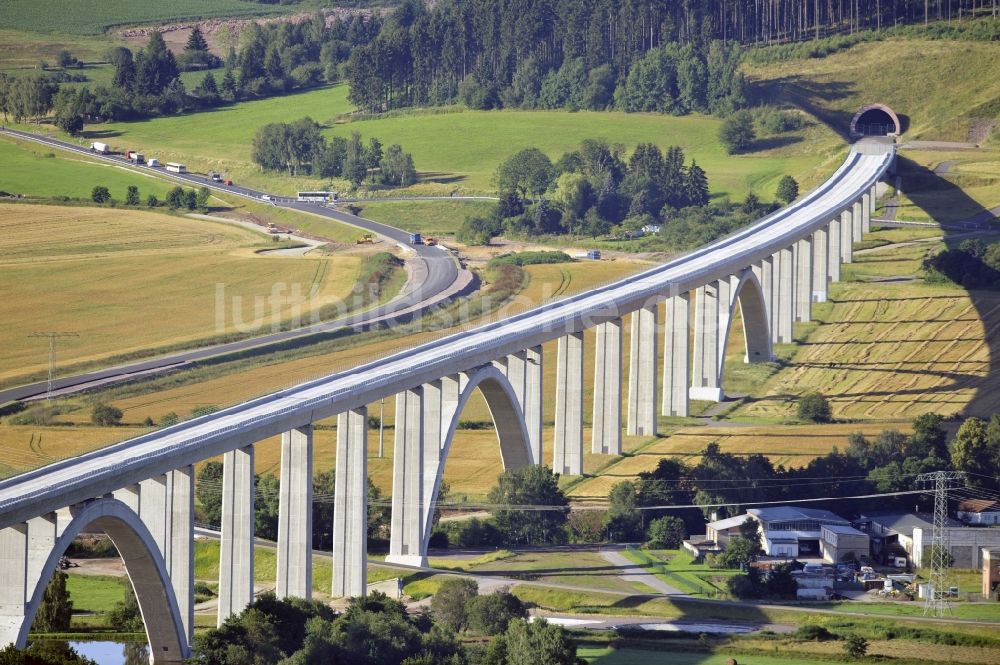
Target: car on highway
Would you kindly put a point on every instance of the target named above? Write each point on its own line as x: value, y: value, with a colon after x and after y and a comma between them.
x: 266, y: 197
x: 216, y: 177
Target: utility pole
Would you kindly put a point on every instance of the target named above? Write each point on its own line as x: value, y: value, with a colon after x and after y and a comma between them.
x: 937, y: 603
x: 52, y: 354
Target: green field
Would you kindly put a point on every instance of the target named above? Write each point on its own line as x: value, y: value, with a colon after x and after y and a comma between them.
x: 92, y: 17
x: 35, y: 170
x: 460, y: 151
x: 95, y: 593
x: 427, y: 217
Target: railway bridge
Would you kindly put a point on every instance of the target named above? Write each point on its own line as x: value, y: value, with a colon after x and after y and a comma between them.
x: 141, y: 491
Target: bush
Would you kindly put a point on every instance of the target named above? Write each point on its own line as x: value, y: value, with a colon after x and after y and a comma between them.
x: 856, y: 646
x: 492, y: 613
x: 530, y: 258
x: 106, y: 415
x: 666, y: 533
x: 788, y: 189
x: 737, y: 133
x: 100, y: 194
x: 745, y: 587
x: 450, y: 602
x: 132, y: 196
x: 152, y: 201
x: 814, y: 408
x: 813, y: 633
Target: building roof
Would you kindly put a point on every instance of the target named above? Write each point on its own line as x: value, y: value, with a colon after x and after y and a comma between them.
x: 845, y: 529
x: 905, y: 522
x: 979, y: 506
x: 780, y: 513
x: 728, y: 523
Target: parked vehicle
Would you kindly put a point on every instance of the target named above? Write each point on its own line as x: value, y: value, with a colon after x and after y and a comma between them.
x: 430, y: 242
x: 366, y: 239
x: 415, y: 239
x: 102, y: 148
x: 594, y: 254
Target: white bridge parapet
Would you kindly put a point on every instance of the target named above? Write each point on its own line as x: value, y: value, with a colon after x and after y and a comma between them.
x: 773, y: 270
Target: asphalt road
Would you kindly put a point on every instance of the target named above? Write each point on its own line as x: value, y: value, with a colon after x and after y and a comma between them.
x: 433, y: 276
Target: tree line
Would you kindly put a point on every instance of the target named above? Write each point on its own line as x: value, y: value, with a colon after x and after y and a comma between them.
x: 594, y: 190
x: 300, y: 148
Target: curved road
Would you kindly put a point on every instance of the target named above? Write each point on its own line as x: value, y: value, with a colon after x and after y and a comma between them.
x: 435, y: 278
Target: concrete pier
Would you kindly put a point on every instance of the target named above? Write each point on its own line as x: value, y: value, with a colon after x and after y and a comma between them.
x: 642, y: 373
x: 606, y: 436
x: 847, y: 237
x: 294, y: 556
x: 407, y: 528
x: 567, y: 453
x: 866, y: 213
x: 834, y: 257
x: 705, y: 375
x: 236, y: 550
x: 676, y: 356
x: 803, y: 280
x: 820, y: 267
x: 350, y: 505
x: 785, y: 287
x: 179, y: 554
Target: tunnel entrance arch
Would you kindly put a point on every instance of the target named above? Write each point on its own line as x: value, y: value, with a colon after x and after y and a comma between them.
x: 508, y: 419
x: 144, y: 566
x: 875, y: 120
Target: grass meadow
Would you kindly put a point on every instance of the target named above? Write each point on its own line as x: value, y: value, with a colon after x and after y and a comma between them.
x: 427, y: 217
x: 132, y: 280
x: 93, y: 17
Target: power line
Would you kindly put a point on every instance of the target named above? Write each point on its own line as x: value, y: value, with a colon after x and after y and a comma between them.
x: 52, y: 354
x: 937, y: 602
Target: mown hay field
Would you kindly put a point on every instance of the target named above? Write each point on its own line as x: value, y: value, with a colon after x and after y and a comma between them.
x: 427, y: 217
x: 893, y: 349
x: 133, y: 280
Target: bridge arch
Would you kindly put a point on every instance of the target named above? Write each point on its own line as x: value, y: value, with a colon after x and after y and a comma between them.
x: 143, y: 564
x: 876, y: 120
x: 754, y: 312
x: 508, y: 419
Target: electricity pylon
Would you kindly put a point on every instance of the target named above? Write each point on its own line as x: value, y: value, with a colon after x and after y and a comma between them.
x: 936, y: 602
x: 52, y: 354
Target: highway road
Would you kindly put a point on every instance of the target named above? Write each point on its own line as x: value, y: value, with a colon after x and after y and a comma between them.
x: 435, y: 278
x: 97, y: 473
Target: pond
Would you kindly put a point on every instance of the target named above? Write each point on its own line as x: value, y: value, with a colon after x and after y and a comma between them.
x: 104, y: 652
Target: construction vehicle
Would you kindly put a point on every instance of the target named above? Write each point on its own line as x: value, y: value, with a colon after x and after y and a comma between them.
x: 366, y: 239
x: 430, y: 242
x: 271, y: 228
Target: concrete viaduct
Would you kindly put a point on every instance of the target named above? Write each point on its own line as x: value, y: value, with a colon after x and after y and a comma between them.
x: 141, y: 491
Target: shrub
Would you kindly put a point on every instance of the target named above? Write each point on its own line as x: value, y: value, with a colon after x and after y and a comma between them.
x: 100, y: 194
x: 106, y: 415
x: 813, y: 633
x: 737, y: 133
x: 788, y: 189
x: 814, y: 407
x: 132, y: 196
x: 666, y: 533
x: 855, y: 646
x: 492, y: 613
x: 451, y: 600
x: 152, y: 201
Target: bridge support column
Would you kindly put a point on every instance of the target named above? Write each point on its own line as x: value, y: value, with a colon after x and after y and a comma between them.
x: 784, y: 284
x: 642, y: 373
x: 567, y: 454
x: 294, y: 576
x: 867, y: 200
x: 803, y: 279
x: 606, y: 436
x: 153, y: 510
x: 834, y: 257
x: 179, y: 554
x: 524, y: 371
x: 14, y: 575
x: 857, y: 217
x: 846, y: 237
x: 676, y: 356
x: 706, y: 343
x: 406, y: 541
x: 236, y: 551
x: 820, y: 260
x: 350, y: 505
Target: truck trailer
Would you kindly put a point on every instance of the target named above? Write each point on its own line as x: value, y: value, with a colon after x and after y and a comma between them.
x: 102, y: 148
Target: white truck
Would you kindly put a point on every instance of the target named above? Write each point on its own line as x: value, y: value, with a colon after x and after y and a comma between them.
x: 102, y: 148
